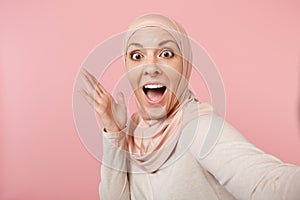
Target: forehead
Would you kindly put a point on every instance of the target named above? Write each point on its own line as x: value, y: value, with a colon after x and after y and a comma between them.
x: 151, y: 37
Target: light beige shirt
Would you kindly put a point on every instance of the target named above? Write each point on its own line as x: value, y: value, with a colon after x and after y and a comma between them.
x: 233, y: 169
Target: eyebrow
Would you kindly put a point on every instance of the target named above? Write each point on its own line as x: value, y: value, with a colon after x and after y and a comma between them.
x: 135, y: 44
x: 159, y: 44
x: 166, y: 41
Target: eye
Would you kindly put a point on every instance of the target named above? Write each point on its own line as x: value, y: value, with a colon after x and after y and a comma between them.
x: 167, y: 54
x: 136, y: 56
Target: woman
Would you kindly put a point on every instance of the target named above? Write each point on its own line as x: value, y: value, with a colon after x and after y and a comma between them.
x: 158, y: 154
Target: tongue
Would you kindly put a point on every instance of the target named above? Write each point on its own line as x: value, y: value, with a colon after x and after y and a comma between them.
x: 154, y: 95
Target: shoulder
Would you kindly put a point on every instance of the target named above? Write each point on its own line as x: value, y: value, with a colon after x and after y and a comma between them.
x: 210, y: 129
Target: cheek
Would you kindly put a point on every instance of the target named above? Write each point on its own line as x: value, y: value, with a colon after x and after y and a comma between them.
x: 173, y: 72
x: 133, y: 75
x: 128, y: 65
x: 177, y: 65
x: 131, y: 65
x: 174, y: 64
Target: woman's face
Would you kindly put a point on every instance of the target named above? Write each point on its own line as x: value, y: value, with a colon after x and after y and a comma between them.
x: 154, y: 68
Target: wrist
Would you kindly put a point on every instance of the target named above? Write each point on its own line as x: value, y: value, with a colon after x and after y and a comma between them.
x: 111, y: 129
x: 114, y: 133
x: 109, y: 125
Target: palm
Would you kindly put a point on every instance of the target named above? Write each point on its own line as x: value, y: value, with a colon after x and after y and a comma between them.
x: 119, y: 111
x: 113, y: 114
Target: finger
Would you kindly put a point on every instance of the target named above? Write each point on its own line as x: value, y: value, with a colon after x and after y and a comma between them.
x: 86, y: 96
x: 90, y: 79
x: 87, y: 82
x: 89, y: 99
x: 93, y: 80
x: 120, y: 98
x: 88, y: 75
x: 93, y: 94
x: 93, y: 89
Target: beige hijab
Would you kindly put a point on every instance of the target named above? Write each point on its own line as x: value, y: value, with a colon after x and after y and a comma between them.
x: 150, y: 146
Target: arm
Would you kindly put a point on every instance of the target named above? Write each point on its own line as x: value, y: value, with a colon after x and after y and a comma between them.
x: 113, y: 115
x: 246, y: 171
x: 114, y: 181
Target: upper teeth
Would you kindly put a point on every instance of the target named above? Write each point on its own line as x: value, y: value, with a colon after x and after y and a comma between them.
x: 153, y: 86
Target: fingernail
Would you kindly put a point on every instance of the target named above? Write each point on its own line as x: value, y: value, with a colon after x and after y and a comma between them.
x: 81, y: 74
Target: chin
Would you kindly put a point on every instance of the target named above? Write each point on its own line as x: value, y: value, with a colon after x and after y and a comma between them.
x: 156, y: 112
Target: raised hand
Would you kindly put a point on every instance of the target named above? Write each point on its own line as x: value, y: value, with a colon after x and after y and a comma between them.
x: 112, y: 114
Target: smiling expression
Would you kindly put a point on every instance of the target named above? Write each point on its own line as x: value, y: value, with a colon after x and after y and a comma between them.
x: 154, y: 68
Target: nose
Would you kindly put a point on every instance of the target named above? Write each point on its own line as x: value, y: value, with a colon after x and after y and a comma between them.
x: 151, y: 67
x: 152, y: 70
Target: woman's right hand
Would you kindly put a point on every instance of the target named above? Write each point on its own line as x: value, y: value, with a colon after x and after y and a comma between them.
x: 112, y: 114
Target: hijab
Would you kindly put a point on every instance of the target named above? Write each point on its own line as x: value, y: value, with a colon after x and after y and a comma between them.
x: 151, y: 144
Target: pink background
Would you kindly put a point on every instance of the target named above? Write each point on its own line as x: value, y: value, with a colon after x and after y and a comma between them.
x: 256, y: 46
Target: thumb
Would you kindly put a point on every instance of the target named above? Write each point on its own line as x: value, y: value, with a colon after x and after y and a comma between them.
x: 120, y: 98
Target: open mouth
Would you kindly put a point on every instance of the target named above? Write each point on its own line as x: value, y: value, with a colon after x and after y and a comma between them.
x: 154, y: 92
